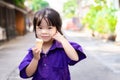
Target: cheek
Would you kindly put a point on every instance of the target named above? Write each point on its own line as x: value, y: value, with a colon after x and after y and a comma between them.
x: 38, y: 36
x: 53, y: 32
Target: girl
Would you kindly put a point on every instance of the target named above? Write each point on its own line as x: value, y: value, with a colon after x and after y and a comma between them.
x: 51, y: 61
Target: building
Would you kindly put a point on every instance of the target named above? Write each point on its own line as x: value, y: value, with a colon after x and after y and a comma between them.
x: 12, y: 20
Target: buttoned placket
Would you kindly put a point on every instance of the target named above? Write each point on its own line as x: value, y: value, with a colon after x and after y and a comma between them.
x: 45, y: 60
x: 45, y: 67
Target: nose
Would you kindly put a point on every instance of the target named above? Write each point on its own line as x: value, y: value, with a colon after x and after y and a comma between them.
x: 44, y: 31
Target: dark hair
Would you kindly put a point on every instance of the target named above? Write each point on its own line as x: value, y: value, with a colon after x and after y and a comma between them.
x: 51, y: 16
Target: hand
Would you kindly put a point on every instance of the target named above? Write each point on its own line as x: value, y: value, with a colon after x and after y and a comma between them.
x: 36, y: 53
x: 58, y: 37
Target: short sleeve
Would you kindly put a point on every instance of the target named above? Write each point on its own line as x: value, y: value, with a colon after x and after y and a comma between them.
x: 25, y: 62
x: 80, y: 53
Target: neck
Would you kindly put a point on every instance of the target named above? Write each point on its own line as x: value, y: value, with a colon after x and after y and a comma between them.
x: 46, y: 46
x: 48, y: 43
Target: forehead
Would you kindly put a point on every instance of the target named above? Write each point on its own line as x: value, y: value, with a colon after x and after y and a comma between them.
x: 44, y: 22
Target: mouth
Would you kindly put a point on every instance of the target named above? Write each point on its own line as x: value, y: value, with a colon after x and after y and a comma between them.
x: 45, y: 37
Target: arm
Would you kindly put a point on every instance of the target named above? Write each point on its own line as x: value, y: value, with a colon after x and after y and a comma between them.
x: 31, y: 68
x: 70, y: 51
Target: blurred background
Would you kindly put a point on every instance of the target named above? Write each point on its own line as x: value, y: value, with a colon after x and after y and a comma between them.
x: 100, y: 17
x: 95, y: 24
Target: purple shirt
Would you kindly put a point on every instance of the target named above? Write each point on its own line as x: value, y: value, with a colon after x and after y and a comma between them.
x: 53, y: 65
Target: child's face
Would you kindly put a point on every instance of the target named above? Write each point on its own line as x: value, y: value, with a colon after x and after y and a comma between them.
x: 45, y: 32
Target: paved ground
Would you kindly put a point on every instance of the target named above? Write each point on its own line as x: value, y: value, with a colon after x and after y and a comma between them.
x: 102, y: 63
x: 11, y: 53
x: 106, y: 52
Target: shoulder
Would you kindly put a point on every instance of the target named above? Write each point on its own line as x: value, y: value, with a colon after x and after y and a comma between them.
x: 29, y: 52
x: 76, y: 46
x: 74, y: 43
x: 58, y: 45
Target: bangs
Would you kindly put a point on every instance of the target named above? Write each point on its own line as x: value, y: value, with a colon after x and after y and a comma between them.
x: 48, y: 16
x: 44, y: 16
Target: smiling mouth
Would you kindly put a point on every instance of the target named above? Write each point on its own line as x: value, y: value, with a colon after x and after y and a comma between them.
x: 45, y: 36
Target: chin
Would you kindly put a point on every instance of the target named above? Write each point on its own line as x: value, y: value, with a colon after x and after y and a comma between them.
x: 47, y: 40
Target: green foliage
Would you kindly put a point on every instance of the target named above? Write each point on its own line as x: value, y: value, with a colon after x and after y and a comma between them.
x: 19, y: 3
x: 39, y: 4
x: 69, y: 8
x: 89, y: 19
x: 101, y: 19
x: 100, y: 1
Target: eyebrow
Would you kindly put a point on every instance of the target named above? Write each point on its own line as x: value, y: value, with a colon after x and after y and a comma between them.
x: 43, y: 26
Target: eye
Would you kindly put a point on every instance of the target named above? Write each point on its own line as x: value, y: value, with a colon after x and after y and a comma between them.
x: 40, y: 27
x: 50, y: 27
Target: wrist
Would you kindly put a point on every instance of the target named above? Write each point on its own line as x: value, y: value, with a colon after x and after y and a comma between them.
x: 63, y: 41
x: 35, y: 59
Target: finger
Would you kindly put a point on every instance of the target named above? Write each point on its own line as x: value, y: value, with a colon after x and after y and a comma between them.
x: 38, y: 51
x: 33, y: 49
